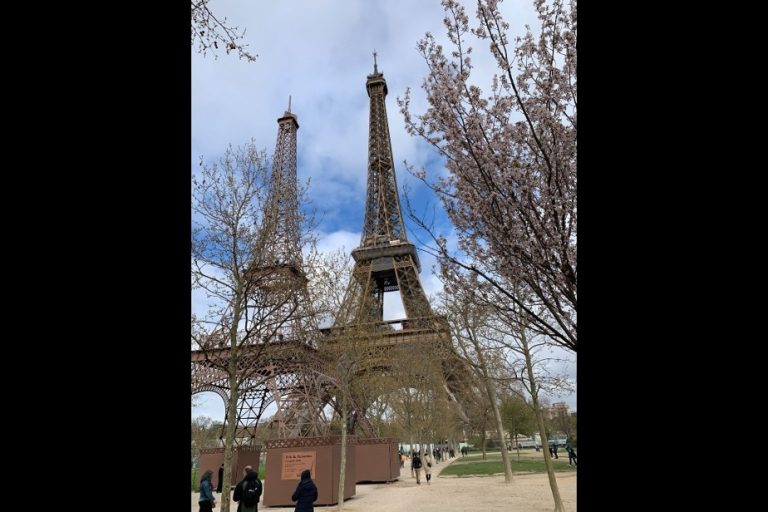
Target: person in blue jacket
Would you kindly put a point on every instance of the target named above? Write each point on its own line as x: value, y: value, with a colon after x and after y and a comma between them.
x: 206, y: 500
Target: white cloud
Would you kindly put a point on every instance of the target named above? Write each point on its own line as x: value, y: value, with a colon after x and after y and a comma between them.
x: 319, y: 52
x: 338, y: 240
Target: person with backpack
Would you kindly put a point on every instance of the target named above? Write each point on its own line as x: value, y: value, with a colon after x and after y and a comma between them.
x: 238, y: 494
x: 416, y: 466
x: 206, y: 500
x: 306, y: 494
x: 248, y: 492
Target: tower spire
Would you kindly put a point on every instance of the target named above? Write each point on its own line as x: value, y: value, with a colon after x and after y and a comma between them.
x: 375, y: 68
x: 280, y: 237
x: 383, y: 217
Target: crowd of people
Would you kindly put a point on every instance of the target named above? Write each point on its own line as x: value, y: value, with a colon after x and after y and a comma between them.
x: 248, y: 491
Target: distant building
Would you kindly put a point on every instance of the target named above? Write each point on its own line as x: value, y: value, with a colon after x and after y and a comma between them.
x: 557, y: 409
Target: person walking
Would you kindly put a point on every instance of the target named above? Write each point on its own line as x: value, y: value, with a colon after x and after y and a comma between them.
x: 238, y: 490
x: 206, y: 500
x: 428, y: 467
x: 306, y: 494
x: 416, y: 467
x: 248, y: 491
x: 571, y: 455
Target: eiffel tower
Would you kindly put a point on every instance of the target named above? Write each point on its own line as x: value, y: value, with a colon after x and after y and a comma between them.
x: 278, y: 263
x: 279, y: 367
x: 293, y: 390
x: 386, y: 261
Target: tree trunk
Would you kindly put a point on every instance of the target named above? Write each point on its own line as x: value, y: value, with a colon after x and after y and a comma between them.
x: 231, y: 414
x: 343, y: 464
x: 229, y: 439
x: 483, y: 440
x: 540, y: 420
x: 490, y: 389
x: 500, y: 429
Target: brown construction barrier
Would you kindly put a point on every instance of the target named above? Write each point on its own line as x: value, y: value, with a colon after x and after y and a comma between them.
x: 287, y: 458
x: 213, y: 458
x: 377, y: 460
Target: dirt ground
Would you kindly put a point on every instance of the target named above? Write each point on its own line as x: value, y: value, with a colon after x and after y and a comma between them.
x: 528, y: 492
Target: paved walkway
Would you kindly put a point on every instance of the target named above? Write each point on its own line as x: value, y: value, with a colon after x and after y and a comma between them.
x: 528, y: 492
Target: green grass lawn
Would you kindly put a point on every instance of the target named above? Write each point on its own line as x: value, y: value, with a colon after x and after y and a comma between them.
x: 475, y: 465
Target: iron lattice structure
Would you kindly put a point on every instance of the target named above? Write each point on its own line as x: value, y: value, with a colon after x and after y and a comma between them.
x: 289, y: 369
x: 283, y: 368
x: 278, y: 261
x: 289, y: 375
x: 386, y: 261
x: 280, y: 238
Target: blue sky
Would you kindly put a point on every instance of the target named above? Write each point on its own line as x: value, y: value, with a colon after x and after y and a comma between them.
x: 320, y: 52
